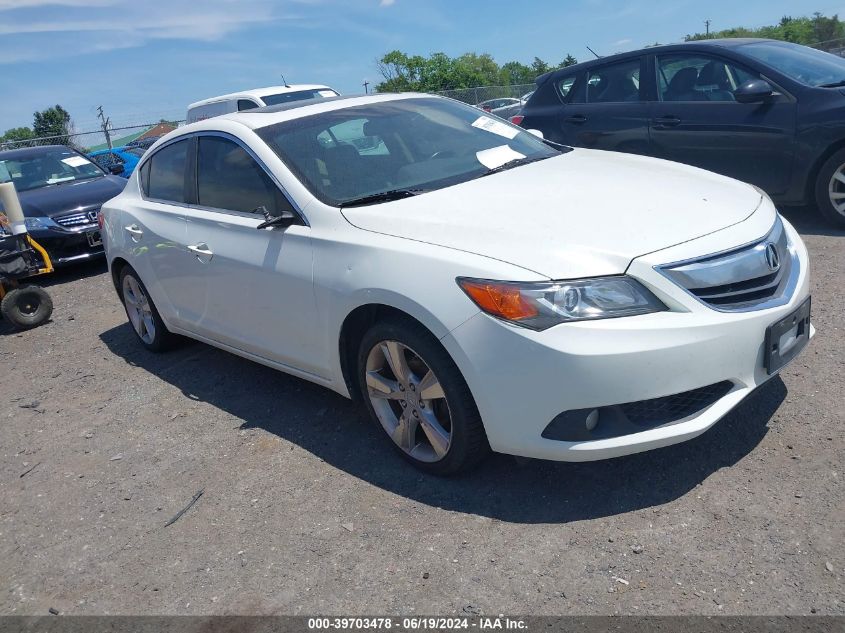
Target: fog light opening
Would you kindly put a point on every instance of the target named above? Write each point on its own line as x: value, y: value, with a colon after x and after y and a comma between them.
x: 592, y: 419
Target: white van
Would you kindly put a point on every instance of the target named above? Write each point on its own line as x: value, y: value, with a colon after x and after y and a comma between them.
x: 248, y: 99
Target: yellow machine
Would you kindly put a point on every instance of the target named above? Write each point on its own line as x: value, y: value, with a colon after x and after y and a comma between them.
x: 21, y: 257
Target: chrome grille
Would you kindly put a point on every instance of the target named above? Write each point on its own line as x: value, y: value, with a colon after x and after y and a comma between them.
x: 757, y: 276
x: 78, y: 220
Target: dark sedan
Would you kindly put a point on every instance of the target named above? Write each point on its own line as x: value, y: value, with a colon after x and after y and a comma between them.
x: 61, y: 192
x: 766, y: 112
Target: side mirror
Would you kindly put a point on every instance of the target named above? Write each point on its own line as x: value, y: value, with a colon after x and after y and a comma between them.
x: 285, y: 218
x: 536, y: 133
x: 753, y: 91
x: 116, y: 169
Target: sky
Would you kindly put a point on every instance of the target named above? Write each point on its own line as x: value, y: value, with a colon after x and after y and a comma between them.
x: 148, y: 59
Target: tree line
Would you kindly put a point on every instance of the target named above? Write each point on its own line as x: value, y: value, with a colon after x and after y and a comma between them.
x: 439, y: 71
x: 818, y: 30
x: 53, y: 122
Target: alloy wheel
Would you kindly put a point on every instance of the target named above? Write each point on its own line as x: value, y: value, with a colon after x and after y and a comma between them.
x: 138, y: 309
x: 836, y: 190
x: 409, y: 401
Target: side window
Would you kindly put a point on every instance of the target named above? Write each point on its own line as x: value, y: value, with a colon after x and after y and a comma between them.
x: 615, y: 83
x: 246, y: 104
x: 686, y: 77
x: 165, y: 178
x: 564, y: 86
x: 229, y: 178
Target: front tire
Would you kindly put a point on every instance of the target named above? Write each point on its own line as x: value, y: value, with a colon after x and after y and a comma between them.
x: 414, y: 391
x: 142, y: 313
x: 26, y: 307
x: 830, y: 189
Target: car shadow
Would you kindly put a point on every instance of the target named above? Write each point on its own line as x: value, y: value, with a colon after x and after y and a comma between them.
x: 503, y: 488
x: 808, y: 221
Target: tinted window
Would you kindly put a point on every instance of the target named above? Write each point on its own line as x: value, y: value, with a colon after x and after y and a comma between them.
x: 229, y: 178
x: 246, y: 104
x: 166, y: 173
x: 299, y: 95
x: 616, y: 83
x: 564, y: 86
x: 693, y: 77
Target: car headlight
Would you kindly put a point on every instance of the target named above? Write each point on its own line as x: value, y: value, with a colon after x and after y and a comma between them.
x: 541, y: 305
x: 40, y: 223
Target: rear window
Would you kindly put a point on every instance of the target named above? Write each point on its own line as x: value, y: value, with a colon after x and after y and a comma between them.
x: 299, y: 95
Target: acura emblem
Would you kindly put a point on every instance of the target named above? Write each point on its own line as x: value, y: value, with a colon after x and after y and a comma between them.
x: 772, y: 257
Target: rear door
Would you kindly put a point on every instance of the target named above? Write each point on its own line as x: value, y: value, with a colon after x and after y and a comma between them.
x: 608, y: 109
x: 252, y: 288
x: 696, y: 120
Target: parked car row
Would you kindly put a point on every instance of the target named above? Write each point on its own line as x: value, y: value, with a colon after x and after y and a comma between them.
x: 767, y: 113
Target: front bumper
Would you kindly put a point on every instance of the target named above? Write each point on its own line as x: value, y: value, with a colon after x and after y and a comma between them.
x: 67, y: 247
x: 522, y: 379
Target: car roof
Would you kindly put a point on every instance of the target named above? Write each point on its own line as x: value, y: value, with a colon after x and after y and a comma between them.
x: 258, y: 93
x: 29, y: 152
x: 732, y: 42
x: 268, y: 115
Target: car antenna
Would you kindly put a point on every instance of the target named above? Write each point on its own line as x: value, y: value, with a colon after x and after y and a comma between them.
x: 593, y: 52
x: 285, y: 81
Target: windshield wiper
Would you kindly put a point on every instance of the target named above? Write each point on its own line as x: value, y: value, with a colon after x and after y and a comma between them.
x: 835, y: 84
x: 516, y: 162
x: 384, y: 196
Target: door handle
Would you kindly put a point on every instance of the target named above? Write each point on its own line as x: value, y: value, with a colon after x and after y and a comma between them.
x: 134, y: 232
x: 577, y: 119
x: 666, y: 121
x: 201, y: 250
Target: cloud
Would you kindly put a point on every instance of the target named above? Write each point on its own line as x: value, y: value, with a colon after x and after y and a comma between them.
x: 622, y: 42
x: 11, y: 5
x: 386, y: 3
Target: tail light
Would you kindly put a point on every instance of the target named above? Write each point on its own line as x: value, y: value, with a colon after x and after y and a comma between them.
x: 517, y: 119
x: 100, y: 220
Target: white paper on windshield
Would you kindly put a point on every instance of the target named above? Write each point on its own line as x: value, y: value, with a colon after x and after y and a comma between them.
x: 497, y: 156
x: 496, y: 127
x: 76, y: 161
x: 326, y: 93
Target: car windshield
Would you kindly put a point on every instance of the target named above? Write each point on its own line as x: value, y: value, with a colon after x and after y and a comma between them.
x: 299, y: 95
x: 404, y: 145
x: 48, y: 167
x: 806, y: 65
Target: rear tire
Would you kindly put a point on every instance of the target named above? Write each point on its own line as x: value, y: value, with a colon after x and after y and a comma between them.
x: 142, y: 313
x: 26, y: 307
x: 425, y: 409
x: 830, y: 189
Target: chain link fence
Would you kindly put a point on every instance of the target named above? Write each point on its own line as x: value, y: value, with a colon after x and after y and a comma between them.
x: 837, y: 46
x: 96, y: 140
x: 474, y: 96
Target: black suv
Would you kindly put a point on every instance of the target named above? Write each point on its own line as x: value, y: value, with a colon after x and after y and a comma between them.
x: 766, y: 112
x: 61, y: 192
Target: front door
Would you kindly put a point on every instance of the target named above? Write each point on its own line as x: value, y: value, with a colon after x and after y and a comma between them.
x: 254, y: 287
x: 696, y: 120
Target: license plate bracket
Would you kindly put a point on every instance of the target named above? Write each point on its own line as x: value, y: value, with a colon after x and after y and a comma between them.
x: 95, y: 238
x: 787, y: 337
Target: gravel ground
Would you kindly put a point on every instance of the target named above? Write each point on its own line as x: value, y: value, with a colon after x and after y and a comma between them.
x: 305, y: 510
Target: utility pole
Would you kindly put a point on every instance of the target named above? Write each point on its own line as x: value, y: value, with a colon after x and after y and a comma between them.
x: 105, y: 125
x: 366, y: 87
x: 707, y: 26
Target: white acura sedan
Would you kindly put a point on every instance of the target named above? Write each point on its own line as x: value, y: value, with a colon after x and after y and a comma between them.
x: 475, y: 286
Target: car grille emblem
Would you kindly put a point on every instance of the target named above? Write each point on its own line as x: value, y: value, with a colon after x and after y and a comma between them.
x: 92, y: 215
x: 772, y: 257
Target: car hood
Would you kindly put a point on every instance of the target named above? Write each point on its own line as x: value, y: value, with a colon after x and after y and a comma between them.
x: 582, y: 214
x: 70, y: 196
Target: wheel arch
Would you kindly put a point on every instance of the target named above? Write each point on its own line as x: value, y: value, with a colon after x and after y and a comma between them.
x: 813, y: 173
x: 355, y: 325
x: 116, y: 267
